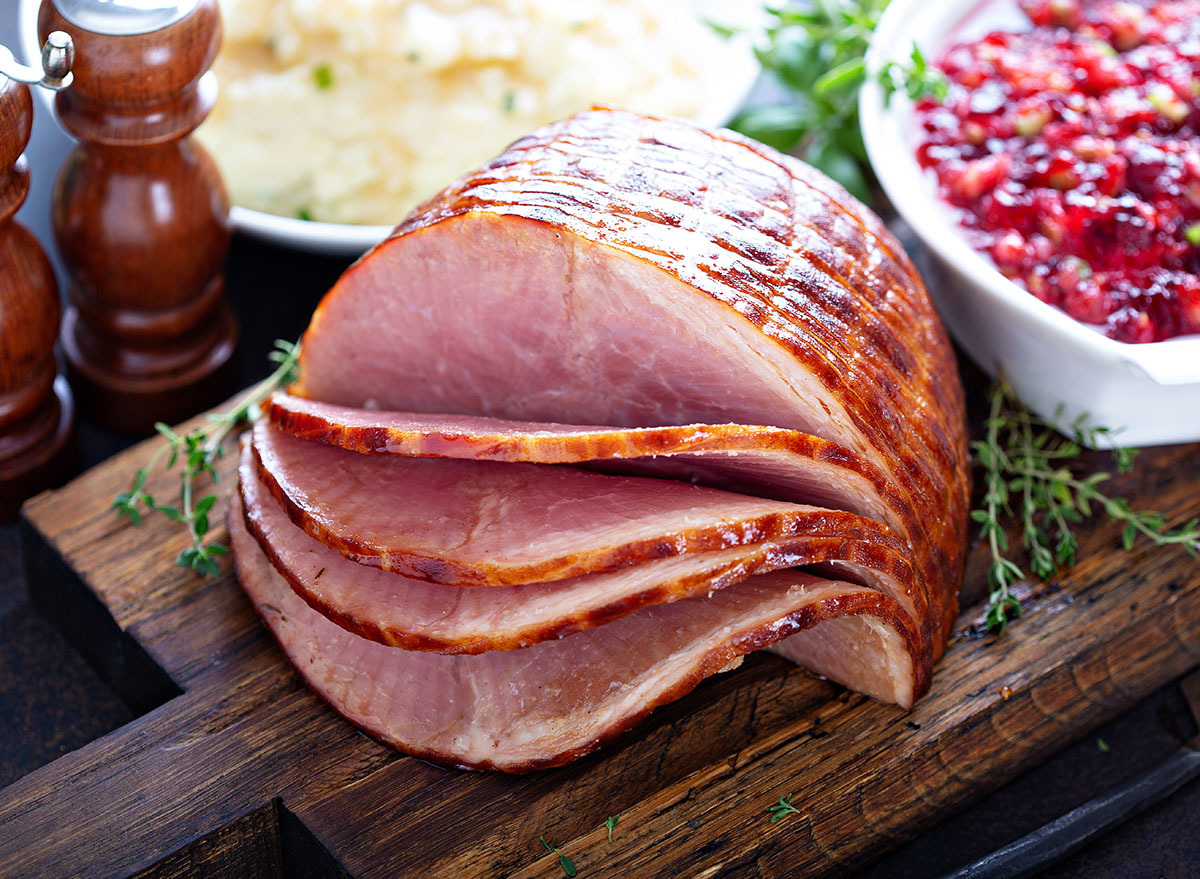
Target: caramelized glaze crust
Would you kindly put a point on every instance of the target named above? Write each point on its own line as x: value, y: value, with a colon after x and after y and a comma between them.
x: 783, y: 250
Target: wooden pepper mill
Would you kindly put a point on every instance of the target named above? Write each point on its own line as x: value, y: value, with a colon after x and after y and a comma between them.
x: 37, y: 414
x: 140, y: 212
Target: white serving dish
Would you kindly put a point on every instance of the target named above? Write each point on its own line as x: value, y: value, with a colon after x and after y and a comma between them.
x: 341, y: 239
x: 1150, y: 392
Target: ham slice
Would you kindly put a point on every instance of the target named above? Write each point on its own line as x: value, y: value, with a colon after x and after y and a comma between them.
x: 519, y: 710
x: 763, y: 461
x: 625, y: 270
x: 481, y: 523
x: 418, y: 615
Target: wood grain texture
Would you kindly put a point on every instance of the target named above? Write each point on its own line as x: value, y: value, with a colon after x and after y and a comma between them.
x: 36, y: 412
x: 692, y: 784
x: 141, y: 218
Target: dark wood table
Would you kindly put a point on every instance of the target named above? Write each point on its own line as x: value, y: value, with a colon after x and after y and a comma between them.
x: 51, y: 702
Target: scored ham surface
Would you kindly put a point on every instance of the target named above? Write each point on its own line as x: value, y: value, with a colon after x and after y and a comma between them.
x: 419, y: 615
x: 631, y: 400
x: 548, y: 704
x: 631, y: 271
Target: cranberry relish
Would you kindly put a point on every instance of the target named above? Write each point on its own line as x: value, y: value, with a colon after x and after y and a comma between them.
x: 1072, y: 151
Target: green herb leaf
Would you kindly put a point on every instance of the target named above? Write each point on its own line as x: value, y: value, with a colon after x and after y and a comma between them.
x: 1103, y: 746
x: 1022, y: 456
x: 611, y: 824
x: 777, y: 125
x: 566, y: 863
x: 839, y: 164
x: 782, y: 809
x: 847, y: 75
x: 199, y: 451
x: 323, y: 76
x: 816, y: 52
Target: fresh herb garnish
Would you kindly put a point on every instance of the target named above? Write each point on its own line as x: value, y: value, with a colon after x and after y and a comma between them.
x: 566, y: 863
x: 323, y: 76
x: 816, y: 52
x: 199, y: 451
x: 509, y: 102
x: 1027, y: 473
x: 916, y: 79
x: 1103, y: 746
x: 304, y: 214
x: 611, y: 824
x: 782, y: 809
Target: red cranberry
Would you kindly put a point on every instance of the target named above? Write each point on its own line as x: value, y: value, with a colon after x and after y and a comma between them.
x: 1087, y: 301
x: 1073, y: 153
x: 1128, y: 324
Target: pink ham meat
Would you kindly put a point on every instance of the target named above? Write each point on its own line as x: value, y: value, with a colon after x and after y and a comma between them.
x: 481, y: 523
x: 763, y: 461
x: 519, y: 710
x: 626, y: 270
x: 418, y: 615
x: 634, y: 295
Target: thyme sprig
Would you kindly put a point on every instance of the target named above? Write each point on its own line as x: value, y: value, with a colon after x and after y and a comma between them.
x: 816, y: 52
x: 1027, y: 473
x: 199, y: 451
x: 782, y: 809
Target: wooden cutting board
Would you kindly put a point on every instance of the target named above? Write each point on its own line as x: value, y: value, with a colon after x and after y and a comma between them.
x: 236, y: 769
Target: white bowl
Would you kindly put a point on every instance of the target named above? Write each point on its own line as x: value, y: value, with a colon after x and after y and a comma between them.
x: 341, y: 239
x: 1151, y: 392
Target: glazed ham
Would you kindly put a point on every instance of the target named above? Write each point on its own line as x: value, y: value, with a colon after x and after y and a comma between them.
x: 630, y: 271
x: 630, y: 401
x: 419, y: 615
x: 764, y: 461
x: 479, y: 523
x: 518, y: 710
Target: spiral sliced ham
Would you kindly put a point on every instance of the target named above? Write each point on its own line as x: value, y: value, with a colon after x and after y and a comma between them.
x: 418, y: 615
x: 764, y: 461
x: 480, y: 523
x: 646, y: 299
x: 626, y: 270
x: 519, y: 710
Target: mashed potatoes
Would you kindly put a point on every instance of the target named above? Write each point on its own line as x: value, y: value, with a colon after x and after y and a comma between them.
x: 352, y: 111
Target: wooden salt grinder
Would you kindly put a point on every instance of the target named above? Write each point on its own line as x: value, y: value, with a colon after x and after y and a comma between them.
x: 140, y: 212
x: 37, y: 414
